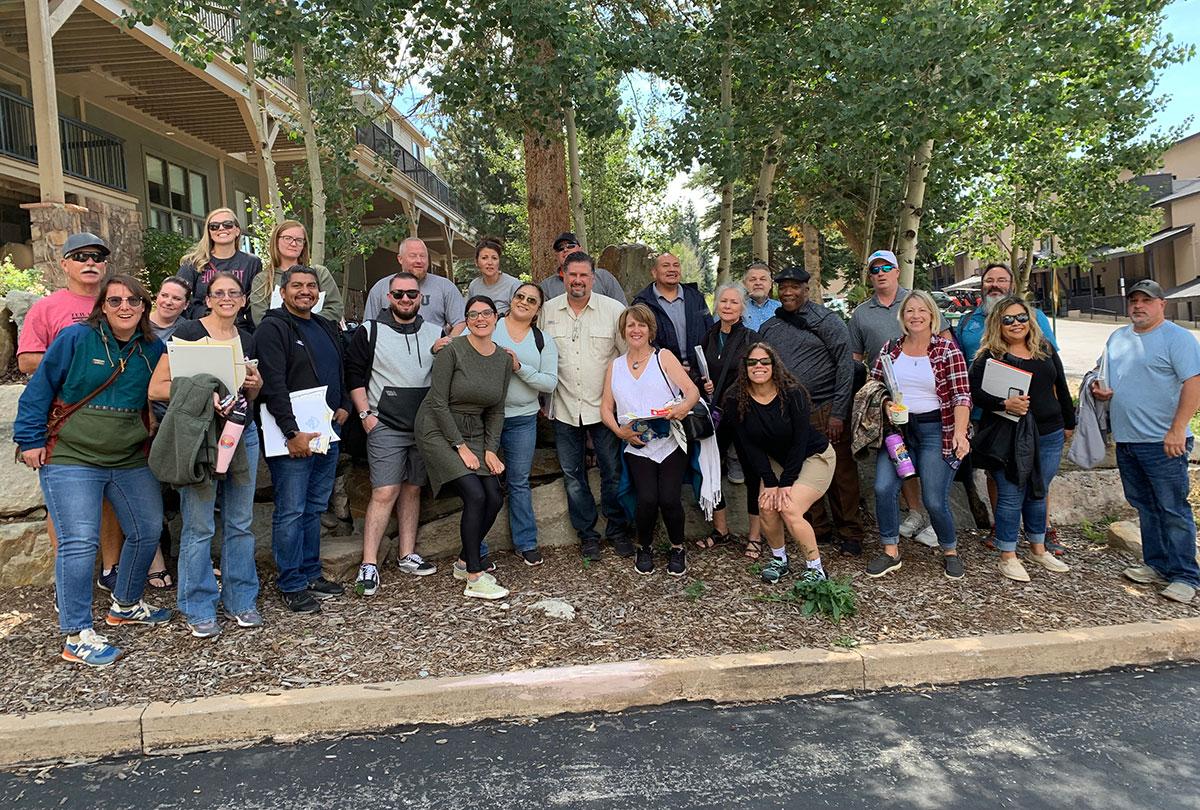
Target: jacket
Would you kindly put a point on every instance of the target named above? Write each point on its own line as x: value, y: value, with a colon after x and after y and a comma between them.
x: 1003, y: 445
x: 723, y: 363
x: 393, y: 363
x: 1091, y: 427
x: 697, y: 321
x: 184, y: 452
x: 814, y: 344
x: 866, y: 419
x: 287, y: 364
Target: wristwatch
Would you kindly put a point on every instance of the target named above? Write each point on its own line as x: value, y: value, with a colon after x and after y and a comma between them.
x: 366, y: 413
x: 291, y: 434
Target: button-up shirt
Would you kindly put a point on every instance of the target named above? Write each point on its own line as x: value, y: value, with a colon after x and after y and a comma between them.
x: 677, y: 312
x: 587, y: 343
x: 758, y: 314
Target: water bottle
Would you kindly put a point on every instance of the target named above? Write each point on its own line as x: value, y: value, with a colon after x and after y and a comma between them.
x: 235, y: 423
x: 898, y: 452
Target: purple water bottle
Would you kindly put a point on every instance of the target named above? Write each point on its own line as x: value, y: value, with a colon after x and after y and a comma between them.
x: 899, y: 455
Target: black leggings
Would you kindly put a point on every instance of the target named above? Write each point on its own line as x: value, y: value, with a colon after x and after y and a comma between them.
x: 481, y: 503
x: 659, y: 488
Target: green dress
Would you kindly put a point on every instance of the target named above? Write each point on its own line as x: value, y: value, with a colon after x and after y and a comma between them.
x: 465, y: 405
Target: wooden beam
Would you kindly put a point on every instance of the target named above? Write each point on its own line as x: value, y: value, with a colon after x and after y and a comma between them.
x: 45, y: 101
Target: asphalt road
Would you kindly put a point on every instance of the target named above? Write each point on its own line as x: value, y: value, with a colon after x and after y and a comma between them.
x: 1121, y: 740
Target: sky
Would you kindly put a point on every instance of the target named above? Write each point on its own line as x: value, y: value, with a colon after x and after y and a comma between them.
x: 1182, y: 82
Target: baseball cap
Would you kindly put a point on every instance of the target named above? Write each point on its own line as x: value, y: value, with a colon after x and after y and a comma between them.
x: 1148, y: 287
x: 79, y: 241
x: 886, y: 255
x: 565, y: 238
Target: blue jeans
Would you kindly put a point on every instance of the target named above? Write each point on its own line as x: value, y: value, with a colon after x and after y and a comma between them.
x: 936, y: 477
x: 302, y: 490
x: 1157, y: 487
x: 572, y: 448
x: 198, y: 592
x: 1013, y: 502
x: 518, y: 442
x: 74, y: 494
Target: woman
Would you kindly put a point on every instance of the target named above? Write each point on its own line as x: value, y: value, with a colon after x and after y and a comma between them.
x: 768, y: 412
x: 1011, y: 335
x: 491, y: 282
x: 289, y: 246
x: 173, y: 296
x: 535, y: 371
x: 92, y: 385
x: 646, y: 393
x: 725, y: 347
x: 217, y: 252
x: 931, y: 385
x: 458, y: 430
x: 198, y: 590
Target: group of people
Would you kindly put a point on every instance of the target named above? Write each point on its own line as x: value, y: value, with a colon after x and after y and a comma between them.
x: 449, y: 389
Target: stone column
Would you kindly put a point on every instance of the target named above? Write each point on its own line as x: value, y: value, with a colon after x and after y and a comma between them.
x: 50, y: 224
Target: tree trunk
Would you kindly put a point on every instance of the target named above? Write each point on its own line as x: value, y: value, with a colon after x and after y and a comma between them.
x: 812, y: 257
x: 262, y: 138
x: 545, y: 195
x: 869, y: 226
x: 1024, y: 270
x: 576, y: 178
x: 725, y: 254
x: 312, y: 157
x: 760, y: 247
x: 910, y: 216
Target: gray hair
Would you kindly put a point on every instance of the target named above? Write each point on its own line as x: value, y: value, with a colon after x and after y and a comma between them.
x: 724, y: 288
x: 413, y: 239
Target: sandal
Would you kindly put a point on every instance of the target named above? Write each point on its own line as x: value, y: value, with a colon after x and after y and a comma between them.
x: 160, y: 580
x: 715, y: 538
x: 754, y: 548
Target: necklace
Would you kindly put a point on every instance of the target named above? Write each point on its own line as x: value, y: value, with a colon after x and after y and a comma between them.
x: 636, y: 364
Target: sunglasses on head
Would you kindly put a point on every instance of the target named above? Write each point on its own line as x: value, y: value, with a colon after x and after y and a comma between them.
x: 882, y: 268
x: 751, y: 362
x: 223, y: 225
x: 82, y: 256
x: 411, y: 295
x: 133, y: 301
x: 1009, y: 320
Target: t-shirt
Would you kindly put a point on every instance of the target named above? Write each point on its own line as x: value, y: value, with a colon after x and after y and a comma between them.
x: 441, y: 303
x: 873, y: 325
x: 50, y: 315
x: 501, y: 292
x: 244, y: 266
x: 165, y: 333
x: 325, y: 358
x: 914, y: 378
x: 1146, y: 373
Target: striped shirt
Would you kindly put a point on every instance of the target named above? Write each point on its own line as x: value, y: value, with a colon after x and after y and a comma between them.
x: 949, y: 376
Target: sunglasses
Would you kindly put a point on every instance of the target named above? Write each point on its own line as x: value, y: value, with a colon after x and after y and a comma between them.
x: 223, y: 225
x: 528, y: 299
x: 751, y: 362
x: 1009, y: 320
x: 222, y: 294
x: 882, y: 268
x: 83, y: 256
x: 570, y: 246
x: 479, y: 315
x: 133, y: 301
x: 411, y: 295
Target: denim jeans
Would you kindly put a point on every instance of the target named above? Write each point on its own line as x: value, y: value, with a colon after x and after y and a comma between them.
x: 518, y: 442
x: 302, y: 490
x: 74, y: 494
x: 936, y: 477
x: 1157, y: 487
x: 1013, y: 502
x: 198, y: 592
x: 572, y: 449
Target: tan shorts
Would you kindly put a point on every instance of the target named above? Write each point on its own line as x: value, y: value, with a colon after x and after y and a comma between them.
x: 817, y: 472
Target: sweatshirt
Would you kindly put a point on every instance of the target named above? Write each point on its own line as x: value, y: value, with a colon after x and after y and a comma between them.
x: 287, y: 364
x: 401, y: 359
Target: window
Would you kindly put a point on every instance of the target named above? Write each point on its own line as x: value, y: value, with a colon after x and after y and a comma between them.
x: 178, y: 197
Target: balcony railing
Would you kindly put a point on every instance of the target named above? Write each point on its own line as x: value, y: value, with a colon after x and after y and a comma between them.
x: 88, y: 153
x: 389, y: 148
x: 225, y: 27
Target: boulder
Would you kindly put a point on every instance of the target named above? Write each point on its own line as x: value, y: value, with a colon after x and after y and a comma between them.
x: 26, y: 557
x: 1086, y: 495
x: 20, y: 490
x: 630, y: 263
x: 8, y: 338
x: 18, y: 302
x: 1125, y: 535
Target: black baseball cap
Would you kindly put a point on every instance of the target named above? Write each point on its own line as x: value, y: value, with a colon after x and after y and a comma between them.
x: 563, y: 239
x: 1147, y: 287
x: 79, y: 241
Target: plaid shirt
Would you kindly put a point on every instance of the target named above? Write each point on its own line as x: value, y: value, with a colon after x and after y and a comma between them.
x: 949, y: 377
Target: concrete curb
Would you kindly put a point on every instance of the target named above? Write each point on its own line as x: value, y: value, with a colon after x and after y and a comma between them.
x: 331, y: 710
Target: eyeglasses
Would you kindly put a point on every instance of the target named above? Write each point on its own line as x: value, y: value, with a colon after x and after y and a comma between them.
x: 83, y: 256
x: 751, y: 362
x: 1009, y: 320
x: 133, y: 301
x: 222, y: 294
x: 882, y: 268
x: 411, y: 295
x: 291, y: 240
x: 528, y: 299
x: 479, y: 315
x: 223, y: 225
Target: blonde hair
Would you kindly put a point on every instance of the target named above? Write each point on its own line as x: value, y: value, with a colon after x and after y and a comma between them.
x: 273, y: 251
x: 200, y: 255
x: 993, y: 344
x: 642, y: 314
x: 935, y: 319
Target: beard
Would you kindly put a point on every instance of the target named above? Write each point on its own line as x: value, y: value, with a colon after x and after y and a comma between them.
x: 990, y: 301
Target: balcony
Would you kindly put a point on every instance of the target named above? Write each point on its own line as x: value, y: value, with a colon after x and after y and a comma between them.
x: 387, y: 147
x: 88, y: 153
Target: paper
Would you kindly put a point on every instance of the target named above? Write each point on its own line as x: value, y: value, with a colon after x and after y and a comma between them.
x: 312, y: 416
x: 702, y: 363
x: 277, y: 301
x: 999, y: 378
x: 189, y: 358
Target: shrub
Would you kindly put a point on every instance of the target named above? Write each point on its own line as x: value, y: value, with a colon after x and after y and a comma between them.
x: 161, y: 252
x: 832, y: 598
x: 14, y: 278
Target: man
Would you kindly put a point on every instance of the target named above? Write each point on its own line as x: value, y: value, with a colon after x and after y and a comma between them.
x: 298, y: 350
x: 553, y: 286
x: 584, y: 327
x: 85, y: 262
x: 1153, y: 390
x: 680, y: 310
x: 388, y: 371
x: 814, y: 345
x: 997, y: 282
x: 441, y: 303
x: 760, y: 306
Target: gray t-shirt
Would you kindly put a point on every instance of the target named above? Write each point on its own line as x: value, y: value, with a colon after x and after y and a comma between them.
x: 501, y: 292
x: 606, y: 284
x: 441, y: 303
x: 873, y: 325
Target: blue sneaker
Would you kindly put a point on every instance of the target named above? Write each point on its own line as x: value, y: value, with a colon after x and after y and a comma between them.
x: 141, y: 613
x: 247, y: 618
x: 92, y: 649
x: 106, y: 582
x: 205, y: 629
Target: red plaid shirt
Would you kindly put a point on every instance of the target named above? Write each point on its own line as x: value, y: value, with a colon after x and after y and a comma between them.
x: 949, y: 377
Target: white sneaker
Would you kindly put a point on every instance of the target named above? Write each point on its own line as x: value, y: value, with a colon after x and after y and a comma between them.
x: 413, y: 564
x: 913, y: 523
x: 1049, y: 562
x: 367, y: 583
x: 927, y: 537
x: 485, y: 587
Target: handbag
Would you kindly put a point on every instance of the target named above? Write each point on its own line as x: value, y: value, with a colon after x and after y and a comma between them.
x: 698, y: 424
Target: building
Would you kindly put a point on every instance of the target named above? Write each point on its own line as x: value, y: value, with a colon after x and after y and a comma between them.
x: 140, y: 138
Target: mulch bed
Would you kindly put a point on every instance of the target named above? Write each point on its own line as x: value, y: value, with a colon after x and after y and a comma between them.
x: 417, y: 628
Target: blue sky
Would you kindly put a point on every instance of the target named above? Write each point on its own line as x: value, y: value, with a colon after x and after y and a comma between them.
x: 1182, y: 82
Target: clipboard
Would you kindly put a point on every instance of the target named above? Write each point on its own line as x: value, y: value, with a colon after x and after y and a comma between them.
x: 999, y: 378
x: 190, y: 358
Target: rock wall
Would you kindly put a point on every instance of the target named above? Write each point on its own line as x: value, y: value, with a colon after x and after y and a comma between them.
x: 51, y: 224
